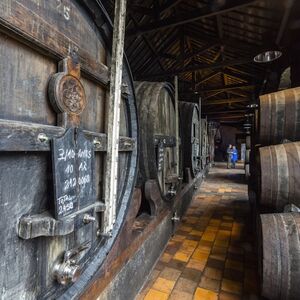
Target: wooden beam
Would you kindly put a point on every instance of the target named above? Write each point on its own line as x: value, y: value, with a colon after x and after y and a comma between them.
x: 225, y: 112
x: 224, y: 101
x: 191, y: 17
x: 168, y: 5
x: 227, y: 87
x: 208, y: 77
x: 140, y: 9
x: 240, y: 116
x: 150, y: 46
x: 192, y: 68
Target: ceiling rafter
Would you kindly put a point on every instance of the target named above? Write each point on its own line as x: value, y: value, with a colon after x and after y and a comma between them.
x: 191, y: 17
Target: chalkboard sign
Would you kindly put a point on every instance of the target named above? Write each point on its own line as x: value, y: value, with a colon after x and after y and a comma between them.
x: 73, y: 171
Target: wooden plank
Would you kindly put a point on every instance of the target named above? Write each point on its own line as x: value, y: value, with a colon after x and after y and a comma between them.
x: 227, y: 87
x: 25, y: 136
x: 177, y: 124
x: 198, y: 67
x: 20, y: 21
x: 225, y: 101
x: 113, y: 116
x: 197, y: 14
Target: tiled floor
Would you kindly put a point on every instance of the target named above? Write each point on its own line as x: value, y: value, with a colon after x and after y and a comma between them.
x: 211, y: 256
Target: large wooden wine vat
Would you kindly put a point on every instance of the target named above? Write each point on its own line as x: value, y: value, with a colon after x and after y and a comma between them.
x: 157, y: 122
x: 190, y: 136
x: 279, y: 117
x: 55, y: 58
x: 279, y: 176
x: 280, y: 256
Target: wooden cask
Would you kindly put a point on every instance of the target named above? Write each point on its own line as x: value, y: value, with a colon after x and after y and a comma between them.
x: 55, y: 62
x: 279, y: 176
x: 280, y: 256
x: 157, y: 123
x: 247, y: 156
x: 204, y: 143
x: 248, y: 142
x: 190, y: 136
x: 279, y: 117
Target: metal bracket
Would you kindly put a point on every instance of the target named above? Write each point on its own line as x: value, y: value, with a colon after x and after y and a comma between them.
x: 44, y: 224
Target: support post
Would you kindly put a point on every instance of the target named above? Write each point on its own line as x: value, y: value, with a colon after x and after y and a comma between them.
x: 177, y: 124
x: 113, y: 116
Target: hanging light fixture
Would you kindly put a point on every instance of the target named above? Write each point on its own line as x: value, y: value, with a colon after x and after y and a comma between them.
x: 267, y: 56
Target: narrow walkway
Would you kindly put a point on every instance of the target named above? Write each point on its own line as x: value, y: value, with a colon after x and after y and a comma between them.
x: 211, y: 255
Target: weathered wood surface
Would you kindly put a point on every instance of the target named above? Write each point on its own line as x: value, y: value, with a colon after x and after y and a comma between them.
x: 34, y: 37
x: 279, y: 176
x: 155, y: 102
x: 280, y: 256
x: 25, y: 136
x: 190, y: 119
x: 248, y: 142
x: 279, y: 117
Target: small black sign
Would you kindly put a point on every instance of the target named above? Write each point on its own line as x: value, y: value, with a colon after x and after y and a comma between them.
x: 73, y: 163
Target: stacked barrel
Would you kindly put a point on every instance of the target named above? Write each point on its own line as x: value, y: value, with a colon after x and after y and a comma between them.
x: 247, y: 156
x: 275, y: 193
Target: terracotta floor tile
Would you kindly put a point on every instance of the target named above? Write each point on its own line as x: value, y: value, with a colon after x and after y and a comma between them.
x: 196, y: 264
x: 166, y: 257
x: 196, y: 232
x: 228, y: 296
x: 233, y: 264
x: 156, y: 295
x: 180, y: 295
x: 231, y: 286
x: 213, y: 273
x: 215, y: 263
x: 202, y: 294
x: 185, y: 285
x: 210, y: 284
x: 170, y: 273
x: 233, y: 275
x: 182, y: 256
x: 163, y: 285
x: 200, y: 255
x: 191, y: 274
x: 178, y: 238
x: 176, y: 264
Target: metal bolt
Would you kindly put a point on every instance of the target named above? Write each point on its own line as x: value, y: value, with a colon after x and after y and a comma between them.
x: 88, y: 219
x: 97, y: 143
x: 42, y: 137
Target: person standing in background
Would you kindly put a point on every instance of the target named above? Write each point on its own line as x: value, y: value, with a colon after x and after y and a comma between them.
x: 229, y: 155
x: 234, y: 156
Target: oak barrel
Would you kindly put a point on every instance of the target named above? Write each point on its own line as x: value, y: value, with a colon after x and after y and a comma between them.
x: 279, y: 175
x: 53, y: 144
x: 247, y: 156
x: 248, y: 142
x: 204, y: 143
x: 279, y: 117
x: 190, y: 136
x: 280, y: 256
x: 157, y: 123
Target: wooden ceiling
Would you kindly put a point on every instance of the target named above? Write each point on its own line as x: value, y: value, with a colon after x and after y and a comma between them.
x: 210, y: 45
